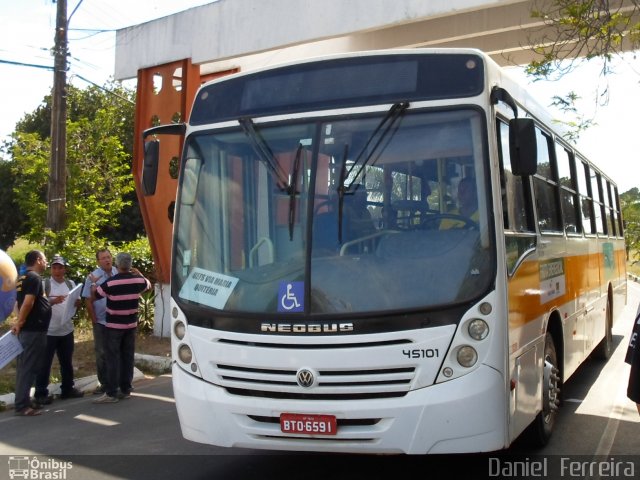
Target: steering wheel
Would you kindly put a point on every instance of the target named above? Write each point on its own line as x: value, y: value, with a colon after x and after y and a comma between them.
x: 433, y: 221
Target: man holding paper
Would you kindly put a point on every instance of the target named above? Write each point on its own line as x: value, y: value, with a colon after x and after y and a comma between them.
x: 64, y: 297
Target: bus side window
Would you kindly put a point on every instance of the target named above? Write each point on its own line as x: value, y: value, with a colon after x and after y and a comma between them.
x: 586, y: 205
x: 568, y: 190
x: 546, y: 187
x: 514, y: 205
x: 596, y: 194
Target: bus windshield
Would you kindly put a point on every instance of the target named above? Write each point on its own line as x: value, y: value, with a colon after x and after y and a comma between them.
x: 335, y: 214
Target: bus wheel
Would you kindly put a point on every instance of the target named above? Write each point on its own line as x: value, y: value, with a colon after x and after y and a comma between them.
x: 542, y: 427
x: 605, y: 348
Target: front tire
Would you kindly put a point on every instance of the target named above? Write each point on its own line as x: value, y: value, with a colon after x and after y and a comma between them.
x: 542, y: 427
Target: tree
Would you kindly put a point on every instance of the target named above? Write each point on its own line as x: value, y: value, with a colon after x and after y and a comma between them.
x: 584, y: 29
x: 11, y: 218
x: 577, y: 31
x: 100, y: 186
x: 630, y: 204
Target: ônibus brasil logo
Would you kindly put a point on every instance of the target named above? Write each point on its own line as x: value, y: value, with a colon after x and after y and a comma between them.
x: 34, y: 468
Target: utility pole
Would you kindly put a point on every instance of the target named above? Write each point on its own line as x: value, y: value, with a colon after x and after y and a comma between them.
x: 57, y: 193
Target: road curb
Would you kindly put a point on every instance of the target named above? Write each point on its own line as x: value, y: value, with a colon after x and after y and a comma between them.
x: 149, y: 363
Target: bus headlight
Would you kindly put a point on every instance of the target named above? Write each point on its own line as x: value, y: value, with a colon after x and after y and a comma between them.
x: 179, y: 329
x: 184, y: 353
x: 467, y: 356
x: 478, y: 329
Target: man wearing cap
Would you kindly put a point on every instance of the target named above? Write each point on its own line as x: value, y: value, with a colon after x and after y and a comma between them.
x: 59, y: 336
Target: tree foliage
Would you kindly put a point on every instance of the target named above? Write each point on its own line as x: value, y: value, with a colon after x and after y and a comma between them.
x: 576, y: 31
x: 12, y: 220
x: 585, y: 29
x: 630, y: 204
x: 100, y: 189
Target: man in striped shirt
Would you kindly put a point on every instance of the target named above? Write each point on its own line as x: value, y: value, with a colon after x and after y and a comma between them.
x: 122, y: 292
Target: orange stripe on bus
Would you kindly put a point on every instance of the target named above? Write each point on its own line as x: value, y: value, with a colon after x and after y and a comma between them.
x: 584, y: 274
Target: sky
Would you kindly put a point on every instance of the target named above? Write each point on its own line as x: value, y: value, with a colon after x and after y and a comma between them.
x: 27, y: 35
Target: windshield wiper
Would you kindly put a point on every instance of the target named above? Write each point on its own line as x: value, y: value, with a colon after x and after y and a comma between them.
x: 293, y: 191
x: 264, y: 153
x: 396, y: 111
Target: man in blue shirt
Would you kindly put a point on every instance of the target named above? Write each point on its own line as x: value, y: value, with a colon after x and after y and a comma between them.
x: 97, y: 309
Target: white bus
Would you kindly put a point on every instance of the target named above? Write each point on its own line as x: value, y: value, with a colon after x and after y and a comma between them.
x: 383, y: 252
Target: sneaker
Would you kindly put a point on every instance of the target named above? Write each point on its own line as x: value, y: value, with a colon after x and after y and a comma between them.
x: 73, y: 393
x: 106, y: 399
x: 41, y: 401
x: 124, y: 396
x: 99, y: 390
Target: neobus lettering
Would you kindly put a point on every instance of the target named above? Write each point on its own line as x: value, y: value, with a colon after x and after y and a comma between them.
x: 421, y: 353
x: 303, y: 328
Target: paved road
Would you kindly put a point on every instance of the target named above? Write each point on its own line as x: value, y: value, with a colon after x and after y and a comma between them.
x: 140, y: 438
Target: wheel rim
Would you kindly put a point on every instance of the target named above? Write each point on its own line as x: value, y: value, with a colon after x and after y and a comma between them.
x: 551, y: 390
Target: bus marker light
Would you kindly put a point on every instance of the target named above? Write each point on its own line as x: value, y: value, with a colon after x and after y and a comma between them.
x: 485, y: 308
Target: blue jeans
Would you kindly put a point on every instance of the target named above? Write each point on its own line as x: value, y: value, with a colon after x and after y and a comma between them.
x: 63, y: 347
x: 119, y: 352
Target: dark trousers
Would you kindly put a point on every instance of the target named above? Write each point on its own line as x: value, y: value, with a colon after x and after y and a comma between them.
x: 119, y: 349
x: 28, y: 364
x: 63, y: 348
x: 98, y: 345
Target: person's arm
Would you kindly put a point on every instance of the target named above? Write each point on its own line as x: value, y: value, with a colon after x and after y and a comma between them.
x: 88, y: 298
x: 135, y: 271
x: 92, y: 313
x: 23, y: 313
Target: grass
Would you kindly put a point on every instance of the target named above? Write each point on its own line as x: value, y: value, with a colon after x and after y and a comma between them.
x: 84, y: 363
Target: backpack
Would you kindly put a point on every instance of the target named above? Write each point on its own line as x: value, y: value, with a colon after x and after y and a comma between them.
x: 47, y: 285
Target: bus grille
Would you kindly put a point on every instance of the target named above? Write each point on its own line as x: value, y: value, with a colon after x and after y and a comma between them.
x: 330, y: 384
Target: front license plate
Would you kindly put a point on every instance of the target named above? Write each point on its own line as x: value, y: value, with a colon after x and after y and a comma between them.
x: 308, y: 424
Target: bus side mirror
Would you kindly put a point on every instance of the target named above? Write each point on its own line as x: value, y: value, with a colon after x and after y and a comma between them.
x: 150, y: 167
x: 522, y: 146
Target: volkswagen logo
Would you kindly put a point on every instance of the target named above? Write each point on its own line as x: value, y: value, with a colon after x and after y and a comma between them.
x: 305, y: 378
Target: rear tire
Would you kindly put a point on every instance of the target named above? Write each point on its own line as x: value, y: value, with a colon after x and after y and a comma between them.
x: 604, y: 349
x: 539, y: 432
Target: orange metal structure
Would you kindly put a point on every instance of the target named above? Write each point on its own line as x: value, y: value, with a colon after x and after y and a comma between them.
x: 164, y: 95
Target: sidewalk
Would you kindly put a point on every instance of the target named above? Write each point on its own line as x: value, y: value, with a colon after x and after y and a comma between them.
x: 154, y: 364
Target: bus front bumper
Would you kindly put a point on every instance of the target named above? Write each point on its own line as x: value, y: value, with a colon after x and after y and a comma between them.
x: 465, y: 415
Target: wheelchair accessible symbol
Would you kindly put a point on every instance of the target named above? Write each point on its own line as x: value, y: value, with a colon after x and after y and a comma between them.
x: 291, y: 297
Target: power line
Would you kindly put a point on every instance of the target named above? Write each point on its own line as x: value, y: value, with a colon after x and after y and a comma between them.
x: 22, y: 64
x: 103, y: 89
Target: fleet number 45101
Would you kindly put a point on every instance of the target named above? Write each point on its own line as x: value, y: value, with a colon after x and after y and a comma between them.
x: 421, y: 353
